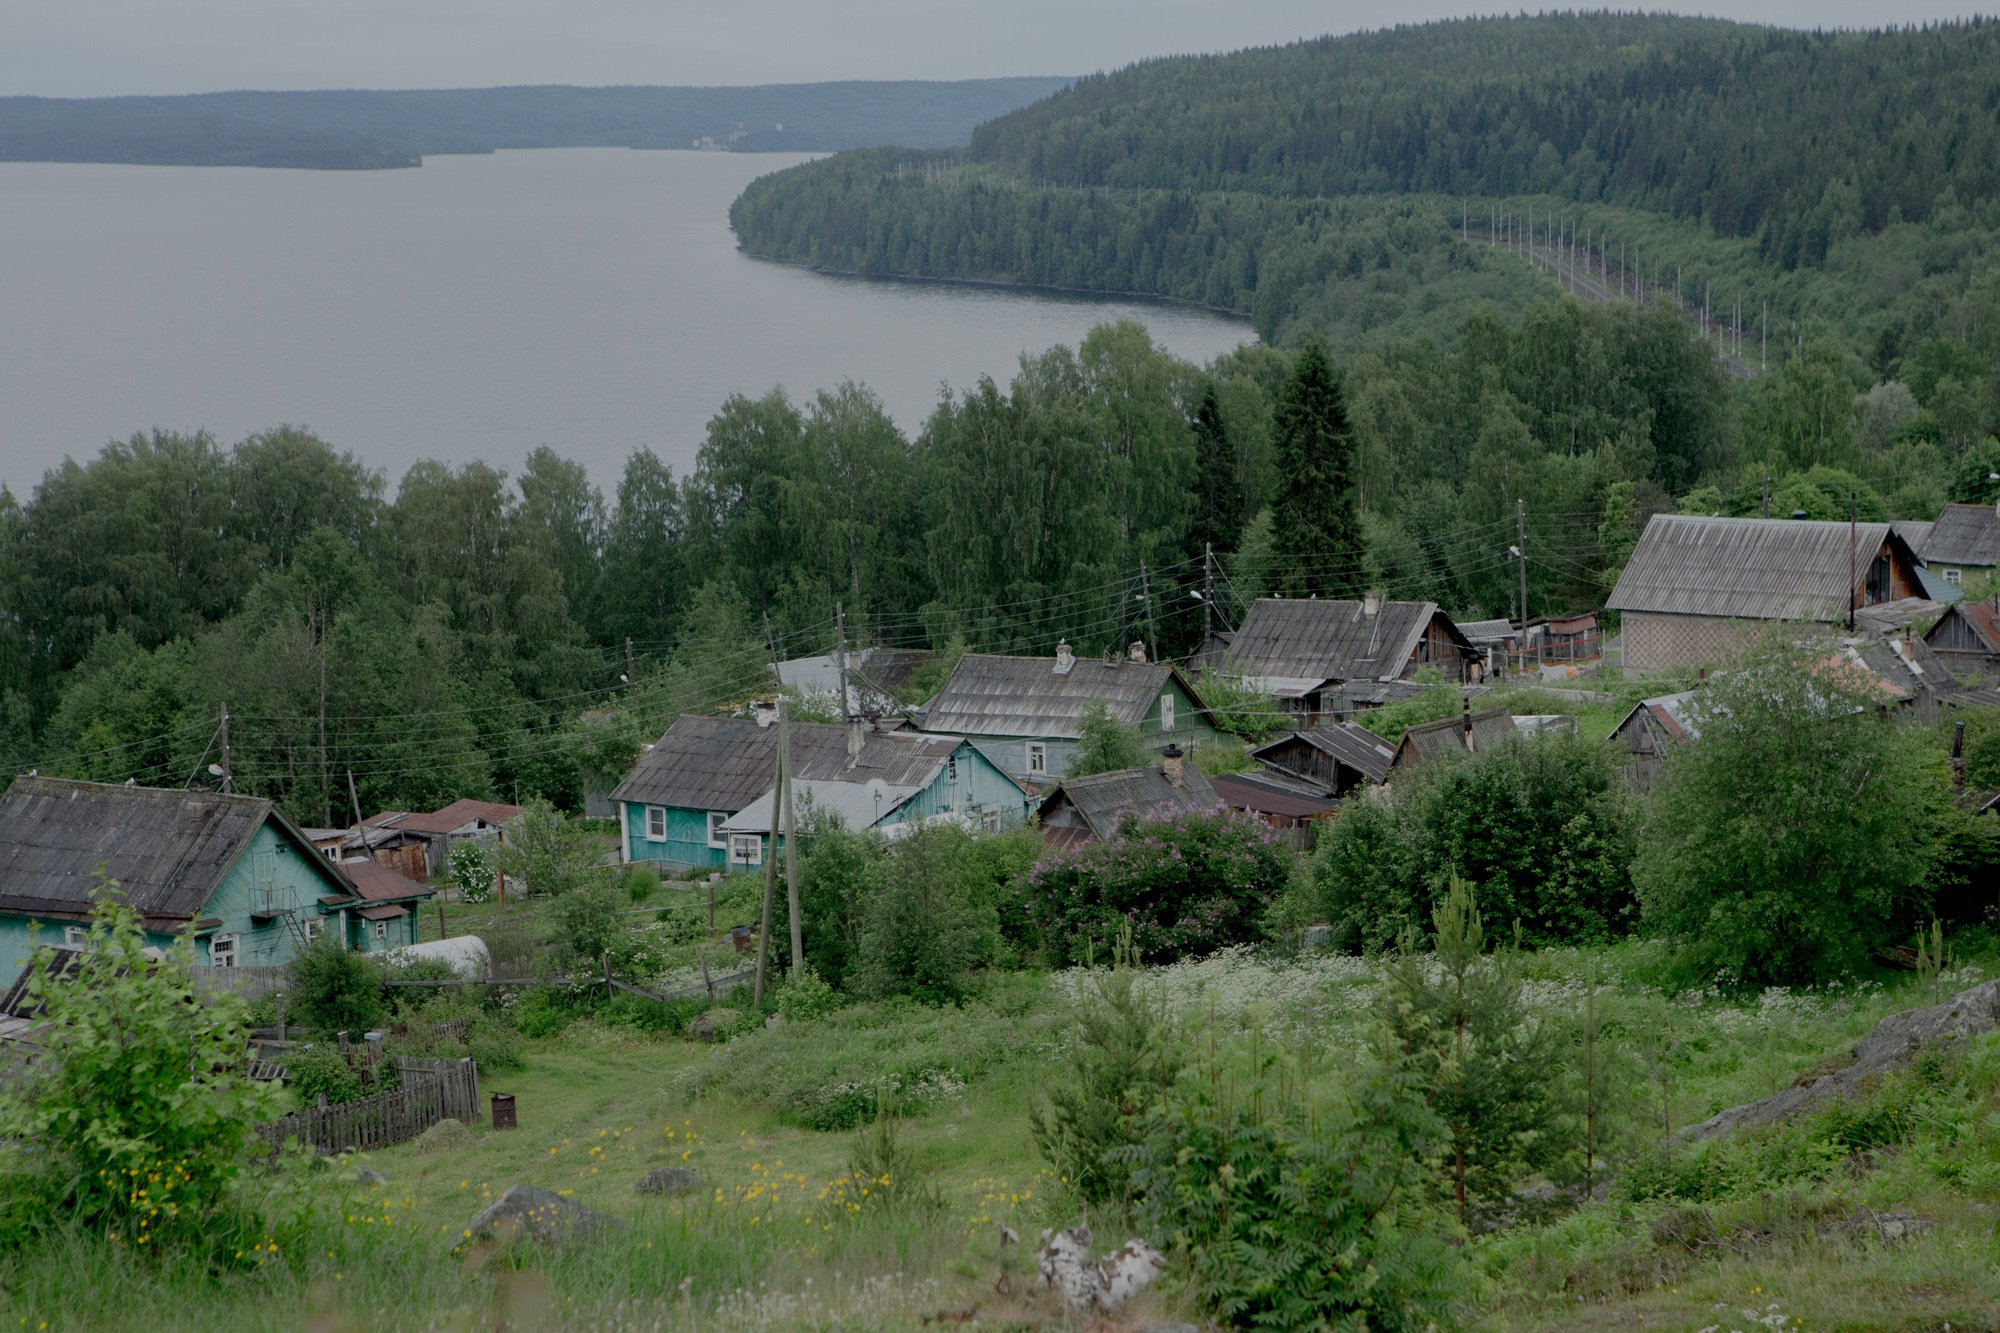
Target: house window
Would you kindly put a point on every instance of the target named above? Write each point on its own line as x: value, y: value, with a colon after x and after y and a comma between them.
x: 1166, y: 712
x: 716, y: 837
x: 989, y: 821
x: 746, y: 849
x: 76, y: 936
x: 314, y: 925
x: 1038, y: 758
x: 656, y: 823
x: 381, y: 931
x: 222, y: 951
x: 1954, y: 576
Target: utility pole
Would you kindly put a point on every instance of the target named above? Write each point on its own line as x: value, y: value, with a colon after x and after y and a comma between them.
x: 1207, y: 592
x: 631, y: 676
x: 1767, y: 492
x: 1521, y: 548
x: 792, y: 855
x: 1152, y: 633
x: 1852, y: 538
x: 228, y: 775
x: 770, y: 863
x: 1764, y: 336
x: 840, y: 658
x: 355, y: 797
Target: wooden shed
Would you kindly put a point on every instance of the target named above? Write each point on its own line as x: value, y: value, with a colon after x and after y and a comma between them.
x: 1340, y: 757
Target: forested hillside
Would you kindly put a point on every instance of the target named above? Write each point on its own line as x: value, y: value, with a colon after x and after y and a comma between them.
x: 1844, y: 180
x: 358, y: 129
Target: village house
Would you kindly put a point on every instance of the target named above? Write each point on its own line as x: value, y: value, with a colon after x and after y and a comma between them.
x: 1324, y: 660
x: 1279, y: 799
x: 1090, y: 808
x: 1025, y: 713
x: 1339, y: 757
x: 1651, y: 730
x: 232, y: 871
x: 1966, y: 638
x: 1963, y: 543
x: 1698, y: 590
x: 385, y: 917
x: 1468, y: 733
x: 876, y: 678
x: 417, y: 845
x: 700, y: 797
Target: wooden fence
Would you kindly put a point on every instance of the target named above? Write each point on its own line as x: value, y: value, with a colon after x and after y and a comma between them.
x: 427, y: 1091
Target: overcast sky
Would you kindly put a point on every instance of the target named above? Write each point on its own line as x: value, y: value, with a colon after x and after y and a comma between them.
x: 82, y: 48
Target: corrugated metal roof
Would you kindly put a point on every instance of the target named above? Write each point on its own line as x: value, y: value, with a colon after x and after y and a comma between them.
x: 1026, y: 696
x: 860, y: 805
x: 1964, y: 535
x: 1256, y: 792
x: 1916, y: 532
x: 1888, y: 617
x: 168, y: 849
x: 1331, y: 640
x: 725, y: 763
x: 1982, y: 617
x: 1104, y: 799
x: 457, y: 815
x: 1486, y: 631
x: 1754, y: 568
x: 1350, y: 743
x: 382, y: 912
x: 377, y: 883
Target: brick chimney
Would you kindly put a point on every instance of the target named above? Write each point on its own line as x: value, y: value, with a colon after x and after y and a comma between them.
x: 1371, y: 603
x: 855, y: 740
x: 1065, y: 659
x: 766, y: 713
x: 1170, y: 764
x: 1138, y: 651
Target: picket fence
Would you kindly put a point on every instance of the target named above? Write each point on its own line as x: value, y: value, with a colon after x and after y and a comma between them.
x: 426, y: 1092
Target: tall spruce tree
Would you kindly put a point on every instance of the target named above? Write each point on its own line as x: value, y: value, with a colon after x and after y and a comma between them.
x: 1215, y: 523
x: 1315, y: 529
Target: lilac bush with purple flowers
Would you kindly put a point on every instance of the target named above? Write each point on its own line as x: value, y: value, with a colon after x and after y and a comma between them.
x: 1188, y: 882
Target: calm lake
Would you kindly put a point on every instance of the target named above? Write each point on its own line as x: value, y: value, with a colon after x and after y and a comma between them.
x: 588, y: 299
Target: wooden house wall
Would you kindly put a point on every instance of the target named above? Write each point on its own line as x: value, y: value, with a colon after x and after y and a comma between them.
x: 981, y: 788
x: 686, y: 843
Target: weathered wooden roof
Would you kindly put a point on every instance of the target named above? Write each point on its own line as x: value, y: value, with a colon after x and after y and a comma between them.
x: 1752, y: 568
x: 1028, y: 696
x: 169, y: 850
x: 1271, y: 792
x: 1104, y: 799
x: 1333, y: 640
x: 1350, y: 743
x: 1981, y: 617
x: 457, y: 815
x: 726, y: 763
x: 1964, y: 535
x: 1466, y: 733
x: 377, y: 883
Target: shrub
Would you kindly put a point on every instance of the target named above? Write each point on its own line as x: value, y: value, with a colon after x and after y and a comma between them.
x: 930, y: 924
x: 335, y: 989
x: 1104, y: 744
x: 807, y: 997
x: 1541, y: 830
x: 1288, y: 1215
x: 1186, y: 882
x: 1487, y: 1069
x: 1241, y: 709
x: 321, y: 1071
x: 470, y: 871
x: 641, y: 881
x: 541, y: 1013
x: 839, y: 871
x: 644, y: 1015
x: 1794, y: 838
x: 1123, y: 1060
x: 138, y: 1127
x: 549, y: 854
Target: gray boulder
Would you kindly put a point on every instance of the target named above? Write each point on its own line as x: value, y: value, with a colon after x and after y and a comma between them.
x: 1889, y: 1047
x: 527, y: 1213
x: 669, y: 1180
x: 368, y: 1175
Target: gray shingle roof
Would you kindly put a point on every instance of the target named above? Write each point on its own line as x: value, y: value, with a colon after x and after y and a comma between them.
x: 1104, y: 799
x: 1447, y: 736
x: 1759, y: 569
x: 725, y: 763
x: 1964, y: 535
x: 1331, y: 640
x: 168, y: 850
x: 1024, y: 696
x: 1349, y: 742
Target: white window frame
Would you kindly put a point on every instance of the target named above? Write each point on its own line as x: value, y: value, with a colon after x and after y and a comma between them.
x: 315, y: 926
x: 1038, y: 759
x: 382, y: 931
x: 76, y: 936
x: 737, y: 841
x: 222, y: 950
x: 1954, y: 576
x: 1166, y: 712
x: 656, y: 816
x: 717, y: 836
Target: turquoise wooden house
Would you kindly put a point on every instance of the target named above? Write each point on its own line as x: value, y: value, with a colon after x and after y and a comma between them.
x: 1025, y: 713
x: 232, y: 871
x: 694, y: 798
